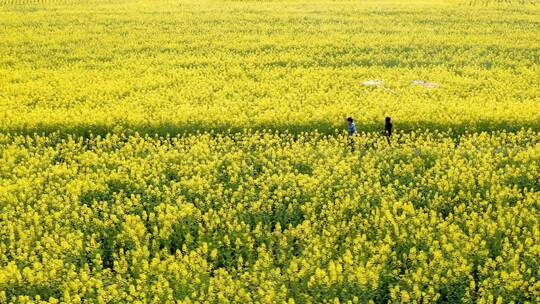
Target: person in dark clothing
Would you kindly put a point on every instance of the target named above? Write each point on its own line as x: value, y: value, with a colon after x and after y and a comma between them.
x: 387, y: 129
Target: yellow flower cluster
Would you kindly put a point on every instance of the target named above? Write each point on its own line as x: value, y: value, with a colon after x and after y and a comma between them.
x: 270, y: 218
x: 173, y: 67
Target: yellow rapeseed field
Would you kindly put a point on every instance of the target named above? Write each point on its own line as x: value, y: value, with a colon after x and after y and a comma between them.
x: 160, y: 151
x: 270, y: 218
x: 177, y: 66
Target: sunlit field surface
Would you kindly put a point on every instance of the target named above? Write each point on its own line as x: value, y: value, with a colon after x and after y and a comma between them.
x: 176, y: 66
x: 194, y: 152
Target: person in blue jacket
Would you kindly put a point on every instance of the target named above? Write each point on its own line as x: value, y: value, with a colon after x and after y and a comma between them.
x: 351, y: 126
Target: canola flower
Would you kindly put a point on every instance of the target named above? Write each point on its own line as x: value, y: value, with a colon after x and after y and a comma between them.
x: 181, y: 66
x: 269, y: 217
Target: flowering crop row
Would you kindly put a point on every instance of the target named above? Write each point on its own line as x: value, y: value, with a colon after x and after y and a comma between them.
x: 270, y: 218
x: 170, y: 66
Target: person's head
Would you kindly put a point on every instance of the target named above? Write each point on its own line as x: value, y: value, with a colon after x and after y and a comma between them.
x: 349, y: 119
x: 387, y: 119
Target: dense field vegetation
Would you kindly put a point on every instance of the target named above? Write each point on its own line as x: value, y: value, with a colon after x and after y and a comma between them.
x: 271, y: 218
x: 175, y: 66
x: 190, y: 151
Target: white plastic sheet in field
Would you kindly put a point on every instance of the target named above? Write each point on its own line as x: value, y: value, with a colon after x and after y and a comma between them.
x: 377, y: 83
x: 425, y: 84
x: 374, y: 82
